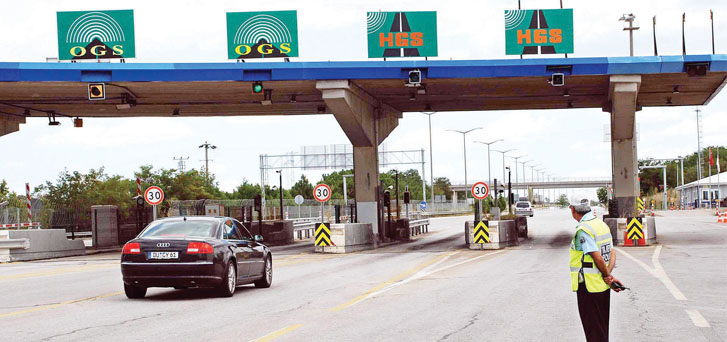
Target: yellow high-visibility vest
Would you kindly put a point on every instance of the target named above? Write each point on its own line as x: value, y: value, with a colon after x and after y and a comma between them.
x: 582, y: 263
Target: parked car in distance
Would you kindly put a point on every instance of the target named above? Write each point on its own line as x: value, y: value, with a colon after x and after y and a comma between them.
x: 523, y: 208
x: 195, y: 251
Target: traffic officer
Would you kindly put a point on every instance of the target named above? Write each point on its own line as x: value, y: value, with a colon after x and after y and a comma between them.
x: 591, y: 262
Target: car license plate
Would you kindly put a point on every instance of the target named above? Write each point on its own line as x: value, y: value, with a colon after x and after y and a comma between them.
x: 163, y: 255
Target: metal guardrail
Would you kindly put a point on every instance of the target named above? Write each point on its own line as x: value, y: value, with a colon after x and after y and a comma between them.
x: 78, y: 234
x: 417, y: 227
x: 303, y: 227
x: 15, y: 243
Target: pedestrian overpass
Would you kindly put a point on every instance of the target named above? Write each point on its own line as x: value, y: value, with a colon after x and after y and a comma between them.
x: 554, y: 184
x: 368, y: 98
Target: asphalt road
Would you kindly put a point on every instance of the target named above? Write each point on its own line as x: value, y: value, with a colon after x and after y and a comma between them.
x: 431, y: 289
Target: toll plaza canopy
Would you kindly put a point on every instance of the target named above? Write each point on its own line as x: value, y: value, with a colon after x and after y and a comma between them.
x: 208, y: 89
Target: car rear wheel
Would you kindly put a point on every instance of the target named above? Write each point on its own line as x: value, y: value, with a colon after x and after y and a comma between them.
x: 229, y: 281
x: 267, y: 278
x: 134, y: 292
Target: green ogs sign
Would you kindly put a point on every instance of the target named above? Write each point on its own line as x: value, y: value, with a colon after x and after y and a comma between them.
x: 96, y: 34
x: 262, y: 34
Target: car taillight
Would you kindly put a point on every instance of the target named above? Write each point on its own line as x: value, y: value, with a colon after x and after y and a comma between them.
x: 132, y: 248
x: 199, y: 248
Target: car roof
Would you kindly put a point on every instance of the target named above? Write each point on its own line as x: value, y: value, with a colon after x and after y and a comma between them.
x: 194, y: 218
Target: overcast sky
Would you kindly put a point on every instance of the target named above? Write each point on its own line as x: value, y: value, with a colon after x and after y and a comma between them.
x: 568, y: 143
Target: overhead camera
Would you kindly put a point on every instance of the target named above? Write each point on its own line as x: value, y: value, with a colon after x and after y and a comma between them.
x: 415, y: 78
x: 557, y: 79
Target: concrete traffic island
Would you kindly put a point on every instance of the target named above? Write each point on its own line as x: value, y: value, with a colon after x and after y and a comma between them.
x: 348, y: 238
x: 619, y: 230
x: 502, y: 234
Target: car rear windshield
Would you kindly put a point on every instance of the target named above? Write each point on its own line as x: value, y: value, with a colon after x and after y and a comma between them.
x: 522, y: 205
x: 188, y: 228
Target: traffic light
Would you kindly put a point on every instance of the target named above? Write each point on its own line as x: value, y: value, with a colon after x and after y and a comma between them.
x: 387, y: 198
x: 258, y: 203
x: 406, y: 197
x: 96, y: 91
x: 257, y: 87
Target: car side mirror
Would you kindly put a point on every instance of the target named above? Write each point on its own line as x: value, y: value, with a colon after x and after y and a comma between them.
x: 258, y: 238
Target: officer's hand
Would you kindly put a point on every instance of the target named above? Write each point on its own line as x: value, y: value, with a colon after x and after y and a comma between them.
x: 610, y: 279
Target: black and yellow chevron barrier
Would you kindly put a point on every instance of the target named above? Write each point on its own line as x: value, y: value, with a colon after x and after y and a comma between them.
x: 323, y: 235
x: 635, y: 229
x: 482, y: 232
x: 639, y: 204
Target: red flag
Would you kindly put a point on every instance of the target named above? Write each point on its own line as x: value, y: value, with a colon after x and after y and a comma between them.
x: 711, y: 159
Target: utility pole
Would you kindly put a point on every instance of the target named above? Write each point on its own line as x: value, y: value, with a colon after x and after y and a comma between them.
x: 181, y: 163
x: 207, y: 146
x: 629, y: 18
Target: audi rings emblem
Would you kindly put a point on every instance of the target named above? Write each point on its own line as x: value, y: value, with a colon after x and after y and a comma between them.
x: 163, y: 244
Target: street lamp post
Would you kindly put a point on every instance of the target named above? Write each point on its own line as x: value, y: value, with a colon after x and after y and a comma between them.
x: 464, y: 145
x: 489, y: 177
x: 431, y: 161
x: 516, y: 158
x: 532, y: 174
x: 629, y: 18
x: 207, y: 146
x: 540, y: 174
x: 503, y: 161
x: 524, y: 180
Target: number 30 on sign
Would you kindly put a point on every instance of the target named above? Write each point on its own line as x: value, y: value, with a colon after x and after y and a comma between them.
x: 322, y: 192
x: 480, y: 190
x: 154, y: 195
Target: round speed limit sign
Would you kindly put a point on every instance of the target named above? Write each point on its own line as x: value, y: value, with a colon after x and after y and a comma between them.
x: 154, y: 195
x: 480, y: 190
x: 322, y: 192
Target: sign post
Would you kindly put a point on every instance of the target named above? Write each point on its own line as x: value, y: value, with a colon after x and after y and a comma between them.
x: 154, y: 196
x: 322, y: 193
x: 480, y: 190
x: 299, y: 200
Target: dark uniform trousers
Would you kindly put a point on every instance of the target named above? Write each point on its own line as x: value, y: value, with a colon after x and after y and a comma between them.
x: 594, y: 310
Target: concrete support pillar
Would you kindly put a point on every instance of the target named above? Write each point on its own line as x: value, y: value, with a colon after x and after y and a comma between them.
x: 366, y: 122
x: 10, y: 124
x: 623, y: 96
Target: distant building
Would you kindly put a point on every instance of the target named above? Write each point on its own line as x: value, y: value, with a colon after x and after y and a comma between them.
x: 715, y: 185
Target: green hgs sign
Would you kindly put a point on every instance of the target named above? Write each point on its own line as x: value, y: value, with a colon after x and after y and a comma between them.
x: 532, y: 32
x: 96, y: 34
x: 262, y: 34
x: 401, y: 34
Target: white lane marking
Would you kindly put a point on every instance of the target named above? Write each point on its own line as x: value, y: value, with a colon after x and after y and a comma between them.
x: 658, y: 272
x: 698, y: 319
x: 423, y: 273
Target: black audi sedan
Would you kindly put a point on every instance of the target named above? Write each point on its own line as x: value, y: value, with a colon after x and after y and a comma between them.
x: 195, y: 251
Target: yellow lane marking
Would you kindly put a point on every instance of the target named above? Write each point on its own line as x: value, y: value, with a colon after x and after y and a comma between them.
x: 392, y: 280
x: 51, y: 306
x: 278, y: 333
x: 58, y: 271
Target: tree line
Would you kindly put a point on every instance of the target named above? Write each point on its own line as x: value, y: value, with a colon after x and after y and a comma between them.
x: 74, y: 189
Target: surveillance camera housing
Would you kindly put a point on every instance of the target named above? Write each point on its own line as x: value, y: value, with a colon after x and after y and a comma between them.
x: 557, y: 79
x: 415, y: 78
